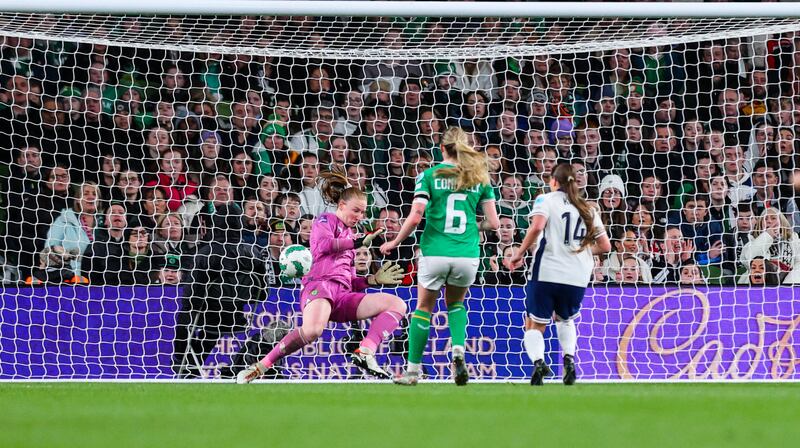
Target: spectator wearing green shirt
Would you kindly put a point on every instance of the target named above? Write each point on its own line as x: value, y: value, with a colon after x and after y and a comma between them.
x: 512, y: 200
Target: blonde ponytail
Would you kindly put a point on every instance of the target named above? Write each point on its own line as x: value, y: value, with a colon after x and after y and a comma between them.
x: 472, y: 167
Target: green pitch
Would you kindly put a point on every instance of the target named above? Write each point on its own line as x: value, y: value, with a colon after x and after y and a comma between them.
x: 382, y: 415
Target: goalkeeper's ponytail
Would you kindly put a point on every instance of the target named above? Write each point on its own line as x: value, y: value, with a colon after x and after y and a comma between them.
x: 564, y: 174
x: 472, y: 167
x: 335, y: 187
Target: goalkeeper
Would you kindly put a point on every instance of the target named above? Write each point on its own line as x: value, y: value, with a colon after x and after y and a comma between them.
x: 331, y: 290
x: 452, y: 192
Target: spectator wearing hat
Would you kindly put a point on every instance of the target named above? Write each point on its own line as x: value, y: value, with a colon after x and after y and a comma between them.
x: 278, y: 239
x: 561, y: 136
x: 70, y: 104
x: 122, y: 133
x: 612, y: 202
x: 167, y: 270
x: 634, y: 101
x: 271, y: 156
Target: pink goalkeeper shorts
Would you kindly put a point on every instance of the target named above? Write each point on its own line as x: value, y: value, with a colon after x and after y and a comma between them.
x: 344, y: 302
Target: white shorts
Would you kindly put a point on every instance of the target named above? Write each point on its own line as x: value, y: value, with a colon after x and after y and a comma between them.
x: 435, y: 272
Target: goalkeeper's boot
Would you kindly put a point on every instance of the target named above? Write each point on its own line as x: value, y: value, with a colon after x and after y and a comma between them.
x: 569, y: 370
x: 460, y: 373
x: 540, y: 370
x: 366, y: 361
x: 251, y: 373
x: 407, y: 379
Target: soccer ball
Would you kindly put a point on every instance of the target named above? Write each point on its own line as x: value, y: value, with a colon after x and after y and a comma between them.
x: 295, y: 261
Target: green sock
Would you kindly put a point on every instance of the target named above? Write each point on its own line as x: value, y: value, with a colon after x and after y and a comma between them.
x: 418, y: 330
x: 457, y: 317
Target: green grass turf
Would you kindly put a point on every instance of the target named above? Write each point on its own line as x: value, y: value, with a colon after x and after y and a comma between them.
x: 382, y: 415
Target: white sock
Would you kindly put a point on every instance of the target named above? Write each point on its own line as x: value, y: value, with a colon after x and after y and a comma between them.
x: 458, y: 351
x: 534, y: 344
x: 413, y: 367
x: 567, y: 336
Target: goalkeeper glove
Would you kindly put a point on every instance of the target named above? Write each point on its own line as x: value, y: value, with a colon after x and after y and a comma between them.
x: 389, y: 274
x: 366, y: 240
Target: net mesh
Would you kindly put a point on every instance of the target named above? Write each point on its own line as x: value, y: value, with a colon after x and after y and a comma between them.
x: 165, y: 162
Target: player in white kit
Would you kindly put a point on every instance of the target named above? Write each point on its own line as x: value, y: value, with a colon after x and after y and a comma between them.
x: 561, y: 269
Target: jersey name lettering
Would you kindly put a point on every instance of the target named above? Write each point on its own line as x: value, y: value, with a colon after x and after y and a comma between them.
x: 447, y: 184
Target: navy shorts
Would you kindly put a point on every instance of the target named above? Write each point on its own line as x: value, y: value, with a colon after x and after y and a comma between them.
x: 543, y: 298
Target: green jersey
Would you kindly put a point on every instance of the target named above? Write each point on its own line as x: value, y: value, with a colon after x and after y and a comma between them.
x: 451, y: 229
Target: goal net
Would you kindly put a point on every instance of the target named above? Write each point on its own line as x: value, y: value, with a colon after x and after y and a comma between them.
x: 154, y: 167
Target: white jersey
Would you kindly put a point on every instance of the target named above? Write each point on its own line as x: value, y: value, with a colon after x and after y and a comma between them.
x: 556, y: 259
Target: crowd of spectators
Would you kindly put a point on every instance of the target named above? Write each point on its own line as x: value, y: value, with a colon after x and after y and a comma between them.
x: 117, y: 160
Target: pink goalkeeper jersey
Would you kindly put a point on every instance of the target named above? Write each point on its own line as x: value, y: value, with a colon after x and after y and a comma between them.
x: 333, y: 253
